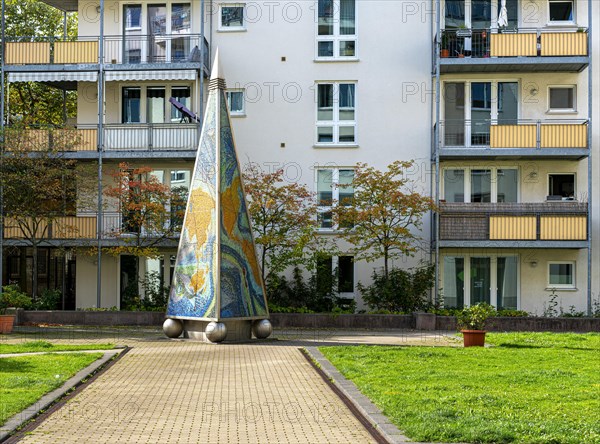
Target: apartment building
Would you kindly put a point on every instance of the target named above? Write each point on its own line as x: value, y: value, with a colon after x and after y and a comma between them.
x: 492, y: 99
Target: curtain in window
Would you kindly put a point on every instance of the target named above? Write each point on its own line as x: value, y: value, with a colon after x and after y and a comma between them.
x: 347, y: 17
x: 346, y: 95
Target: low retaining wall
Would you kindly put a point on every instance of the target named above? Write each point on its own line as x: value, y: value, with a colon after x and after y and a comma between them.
x: 420, y: 321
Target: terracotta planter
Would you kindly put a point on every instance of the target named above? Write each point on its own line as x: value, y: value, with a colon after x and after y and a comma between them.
x: 473, y: 338
x: 6, y: 324
x: 444, y: 53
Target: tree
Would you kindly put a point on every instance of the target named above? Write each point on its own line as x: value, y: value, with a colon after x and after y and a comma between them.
x: 384, y: 215
x: 34, y: 103
x: 151, y: 212
x: 40, y: 187
x: 283, y: 220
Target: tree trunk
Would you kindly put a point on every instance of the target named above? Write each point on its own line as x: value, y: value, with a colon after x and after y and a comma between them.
x: 262, y: 265
x: 385, y: 262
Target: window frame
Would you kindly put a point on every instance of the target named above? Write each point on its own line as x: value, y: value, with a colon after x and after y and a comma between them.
x: 336, y: 123
x: 335, y: 193
x: 572, y: 285
x: 224, y: 28
x: 336, y: 38
x: 573, y: 109
x: 467, y: 187
x: 236, y: 113
x: 563, y: 22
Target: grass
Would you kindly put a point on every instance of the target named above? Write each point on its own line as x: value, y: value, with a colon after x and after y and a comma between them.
x: 25, y: 379
x: 527, y: 388
x: 44, y: 346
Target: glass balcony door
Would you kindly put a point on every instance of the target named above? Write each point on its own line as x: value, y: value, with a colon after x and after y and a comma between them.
x: 470, y: 280
x: 157, y: 31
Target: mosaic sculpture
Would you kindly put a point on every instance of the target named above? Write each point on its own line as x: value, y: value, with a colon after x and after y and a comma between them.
x: 217, y: 291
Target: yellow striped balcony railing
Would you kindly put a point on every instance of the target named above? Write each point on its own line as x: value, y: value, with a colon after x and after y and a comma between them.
x: 522, y: 42
x: 515, y: 134
x: 548, y: 221
x: 118, y: 49
x: 84, y: 138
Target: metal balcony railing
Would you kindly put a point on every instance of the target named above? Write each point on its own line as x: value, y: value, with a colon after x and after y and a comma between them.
x: 119, y: 49
x: 117, y: 137
x: 151, y: 137
x: 549, y: 221
x: 522, y: 42
x: 514, y: 133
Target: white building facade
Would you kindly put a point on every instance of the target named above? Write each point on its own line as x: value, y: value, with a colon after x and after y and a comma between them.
x: 496, y: 116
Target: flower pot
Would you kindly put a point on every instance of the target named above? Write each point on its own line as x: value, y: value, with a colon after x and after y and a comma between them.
x: 473, y: 338
x: 444, y: 53
x: 6, y: 324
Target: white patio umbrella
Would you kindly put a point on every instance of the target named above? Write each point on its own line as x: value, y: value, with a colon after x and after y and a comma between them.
x: 503, y: 16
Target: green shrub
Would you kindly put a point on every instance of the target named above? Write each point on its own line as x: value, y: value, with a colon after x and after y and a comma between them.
x: 474, y: 317
x: 48, y: 300
x: 402, y: 291
x: 13, y: 297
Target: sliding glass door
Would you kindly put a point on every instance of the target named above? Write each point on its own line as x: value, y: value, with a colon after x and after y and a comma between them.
x: 470, y: 280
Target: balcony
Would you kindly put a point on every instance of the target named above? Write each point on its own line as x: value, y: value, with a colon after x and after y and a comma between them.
x: 120, y: 140
x: 80, y: 230
x: 560, y: 224
x: 120, y: 52
x: 518, y: 138
x: 522, y: 50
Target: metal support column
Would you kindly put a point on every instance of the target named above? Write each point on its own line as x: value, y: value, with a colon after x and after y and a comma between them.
x: 2, y: 98
x: 436, y: 148
x: 590, y: 159
x: 100, y: 150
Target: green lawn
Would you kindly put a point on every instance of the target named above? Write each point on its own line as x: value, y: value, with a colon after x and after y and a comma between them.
x: 44, y: 346
x: 527, y: 388
x: 25, y: 379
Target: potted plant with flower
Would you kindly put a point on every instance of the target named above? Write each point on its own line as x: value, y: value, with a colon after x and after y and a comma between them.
x: 471, y: 323
x: 11, y: 298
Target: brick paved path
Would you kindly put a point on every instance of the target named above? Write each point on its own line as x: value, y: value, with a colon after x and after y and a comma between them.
x: 175, y: 391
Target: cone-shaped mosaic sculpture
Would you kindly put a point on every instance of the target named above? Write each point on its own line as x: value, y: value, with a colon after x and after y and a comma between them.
x: 217, y: 291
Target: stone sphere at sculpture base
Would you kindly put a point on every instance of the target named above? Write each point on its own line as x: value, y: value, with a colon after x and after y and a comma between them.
x: 262, y: 329
x: 172, y: 327
x: 216, y: 331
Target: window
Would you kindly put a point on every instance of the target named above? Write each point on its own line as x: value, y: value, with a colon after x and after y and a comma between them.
x: 561, y: 11
x: 183, y: 96
x: 561, y: 187
x: 481, y: 185
x: 180, y: 185
x: 336, y: 113
x: 328, y: 268
x: 131, y: 105
x: 133, y: 16
x: 561, y: 274
x: 562, y: 98
x: 336, y: 29
x: 155, y: 103
x: 468, y: 280
x: 235, y: 102
x: 334, y: 187
x: 232, y: 17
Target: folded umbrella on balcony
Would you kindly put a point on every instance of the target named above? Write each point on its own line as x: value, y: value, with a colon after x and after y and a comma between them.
x: 503, y: 16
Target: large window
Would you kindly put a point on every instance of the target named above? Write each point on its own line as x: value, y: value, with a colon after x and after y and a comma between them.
x: 471, y: 279
x: 334, y: 187
x: 336, y: 29
x: 481, y: 185
x: 336, y: 113
x: 150, y: 104
x: 182, y: 95
x: 561, y: 274
x: 561, y: 99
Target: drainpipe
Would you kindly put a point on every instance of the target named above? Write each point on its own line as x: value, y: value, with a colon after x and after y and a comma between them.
x: 100, y: 150
x: 436, y: 146
x: 589, y: 162
x: 2, y: 97
x: 202, y: 55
